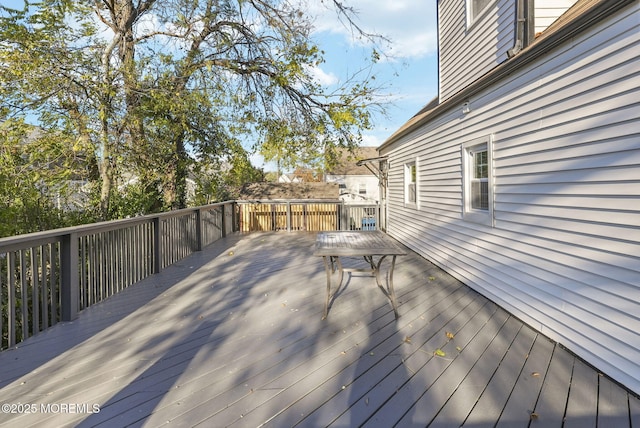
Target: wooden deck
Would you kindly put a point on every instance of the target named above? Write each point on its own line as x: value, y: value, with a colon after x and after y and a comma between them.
x: 233, y: 336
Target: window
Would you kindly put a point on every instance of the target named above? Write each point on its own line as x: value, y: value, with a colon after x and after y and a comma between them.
x: 411, y: 184
x: 478, y: 181
x: 362, y: 189
x: 475, y: 8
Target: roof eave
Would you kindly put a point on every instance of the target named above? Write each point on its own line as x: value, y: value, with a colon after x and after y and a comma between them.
x: 595, y: 13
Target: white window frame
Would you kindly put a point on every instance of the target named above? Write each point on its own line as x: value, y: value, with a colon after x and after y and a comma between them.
x: 472, y: 15
x: 469, y: 213
x: 411, y: 184
x: 362, y: 189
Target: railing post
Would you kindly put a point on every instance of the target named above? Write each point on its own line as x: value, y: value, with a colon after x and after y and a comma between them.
x: 288, y: 216
x: 157, y: 245
x: 69, y: 276
x: 236, y: 210
x: 223, y: 221
x: 199, y: 229
x: 344, y: 217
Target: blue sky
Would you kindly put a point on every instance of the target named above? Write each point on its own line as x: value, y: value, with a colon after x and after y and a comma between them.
x: 410, y: 70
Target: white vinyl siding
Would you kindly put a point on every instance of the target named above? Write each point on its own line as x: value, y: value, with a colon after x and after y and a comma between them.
x: 467, y: 54
x: 564, y: 252
x: 547, y: 11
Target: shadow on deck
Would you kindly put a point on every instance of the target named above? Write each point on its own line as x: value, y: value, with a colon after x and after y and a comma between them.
x: 233, y: 336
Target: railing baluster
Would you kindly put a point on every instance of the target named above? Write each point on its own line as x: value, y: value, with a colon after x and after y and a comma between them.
x: 35, y: 295
x: 52, y: 275
x: 3, y: 257
x: 45, y: 263
x: 11, y: 299
x: 24, y: 297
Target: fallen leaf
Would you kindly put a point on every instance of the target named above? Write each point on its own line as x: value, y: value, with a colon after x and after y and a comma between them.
x: 439, y: 353
x: 450, y: 335
x: 407, y: 339
x: 231, y: 253
x: 533, y: 416
x: 459, y: 349
x: 535, y: 374
x: 432, y: 278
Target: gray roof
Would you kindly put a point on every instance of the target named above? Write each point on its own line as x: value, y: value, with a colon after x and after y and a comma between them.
x: 310, y: 190
x: 347, y: 163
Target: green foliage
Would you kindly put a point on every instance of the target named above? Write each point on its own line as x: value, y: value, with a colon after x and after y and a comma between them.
x: 134, y: 107
x: 37, y: 175
x: 223, y: 181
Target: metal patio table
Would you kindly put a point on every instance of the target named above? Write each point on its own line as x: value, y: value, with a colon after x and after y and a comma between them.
x: 331, y: 246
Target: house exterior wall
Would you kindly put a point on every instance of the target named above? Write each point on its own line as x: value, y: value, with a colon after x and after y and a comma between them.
x: 562, y: 251
x: 466, y: 52
x: 547, y: 11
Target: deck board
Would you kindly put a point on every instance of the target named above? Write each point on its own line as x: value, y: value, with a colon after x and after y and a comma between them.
x: 550, y: 408
x: 527, y: 388
x: 454, y: 412
x: 582, y: 404
x: 488, y: 408
x: 233, y: 336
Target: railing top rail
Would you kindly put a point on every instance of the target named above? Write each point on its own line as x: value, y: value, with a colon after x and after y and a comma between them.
x: 301, y: 201
x: 284, y: 201
x: 13, y: 243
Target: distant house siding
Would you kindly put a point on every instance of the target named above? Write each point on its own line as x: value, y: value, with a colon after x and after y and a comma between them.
x: 356, y: 188
x: 547, y: 11
x: 564, y: 251
x: 468, y: 53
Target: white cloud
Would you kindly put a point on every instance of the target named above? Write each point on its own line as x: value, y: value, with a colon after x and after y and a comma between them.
x: 409, y: 24
x: 322, y: 77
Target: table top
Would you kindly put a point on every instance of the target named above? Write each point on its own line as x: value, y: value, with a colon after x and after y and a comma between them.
x: 356, y: 243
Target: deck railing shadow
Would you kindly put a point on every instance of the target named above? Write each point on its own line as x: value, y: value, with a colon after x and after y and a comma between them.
x: 233, y: 335
x: 226, y: 292
x: 50, y: 276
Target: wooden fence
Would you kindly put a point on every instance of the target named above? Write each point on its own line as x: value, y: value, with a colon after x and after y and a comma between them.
x: 305, y: 215
x: 50, y: 276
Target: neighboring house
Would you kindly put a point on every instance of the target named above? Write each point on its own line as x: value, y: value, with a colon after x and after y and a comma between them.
x: 522, y: 179
x: 357, y: 183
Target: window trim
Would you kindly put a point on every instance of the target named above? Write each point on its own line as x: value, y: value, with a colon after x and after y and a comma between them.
x: 473, y: 18
x: 469, y: 213
x: 408, y: 180
x: 362, y: 189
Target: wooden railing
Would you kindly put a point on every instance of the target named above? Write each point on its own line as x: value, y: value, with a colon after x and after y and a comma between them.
x: 50, y: 276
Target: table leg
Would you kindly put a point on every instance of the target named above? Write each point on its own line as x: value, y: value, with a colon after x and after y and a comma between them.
x: 389, y: 290
x: 331, y: 264
x: 392, y: 292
